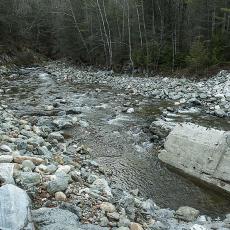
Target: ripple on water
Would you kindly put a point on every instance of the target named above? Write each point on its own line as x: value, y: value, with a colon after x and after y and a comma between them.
x: 119, y: 119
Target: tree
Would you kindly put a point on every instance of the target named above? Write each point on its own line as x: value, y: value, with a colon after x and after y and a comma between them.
x: 198, y: 56
x: 150, y: 34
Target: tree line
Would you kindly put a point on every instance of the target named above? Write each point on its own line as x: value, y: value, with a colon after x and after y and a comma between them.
x: 138, y: 34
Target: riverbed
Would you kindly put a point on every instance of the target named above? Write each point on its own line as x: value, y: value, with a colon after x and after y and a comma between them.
x: 113, y: 125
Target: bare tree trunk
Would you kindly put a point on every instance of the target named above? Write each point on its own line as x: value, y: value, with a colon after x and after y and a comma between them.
x: 139, y: 24
x: 104, y: 28
x: 109, y: 36
x: 174, y: 34
x: 228, y: 26
x: 78, y: 29
x: 161, y: 35
x: 153, y: 20
x: 146, y: 38
x: 225, y: 18
x: 104, y: 43
x: 123, y: 24
x: 117, y: 21
x: 174, y: 49
x: 224, y: 23
x: 87, y: 14
x: 129, y: 31
x: 214, y: 20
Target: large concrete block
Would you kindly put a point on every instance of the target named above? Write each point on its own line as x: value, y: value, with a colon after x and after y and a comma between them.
x: 200, y: 152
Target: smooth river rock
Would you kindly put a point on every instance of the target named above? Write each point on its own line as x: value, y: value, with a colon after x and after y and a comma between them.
x: 14, y: 209
x: 199, y: 152
x: 35, y: 160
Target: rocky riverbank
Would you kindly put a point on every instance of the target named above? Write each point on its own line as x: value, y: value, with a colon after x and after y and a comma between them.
x: 213, y: 95
x: 70, y: 189
x: 67, y: 188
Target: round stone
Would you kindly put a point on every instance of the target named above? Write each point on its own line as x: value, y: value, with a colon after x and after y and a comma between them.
x: 64, y: 168
x: 135, y: 226
x: 107, y: 207
x: 60, y: 196
x: 187, y: 214
x: 29, y: 178
x: 130, y: 110
x: 28, y: 164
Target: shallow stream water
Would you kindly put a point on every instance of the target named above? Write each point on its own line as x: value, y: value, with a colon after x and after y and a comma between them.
x: 118, y: 140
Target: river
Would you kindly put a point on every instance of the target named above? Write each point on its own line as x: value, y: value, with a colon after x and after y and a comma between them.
x: 119, y: 140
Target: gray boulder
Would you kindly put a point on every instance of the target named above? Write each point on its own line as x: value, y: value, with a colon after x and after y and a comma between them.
x: 28, y: 164
x: 161, y: 128
x: 6, y: 159
x: 59, y: 183
x: 55, y: 219
x: 101, y: 186
x: 59, y: 219
x: 227, y: 221
x: 44, y: 151
x: 14, y: 209
x: 200, y: 152
x: 6, y: 173
x: 65, y: 122
x: 29, y: 178
x: 187, y: 214
x: 55, y: 135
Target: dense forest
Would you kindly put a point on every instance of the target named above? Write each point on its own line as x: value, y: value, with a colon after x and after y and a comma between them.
x: 135, y: 34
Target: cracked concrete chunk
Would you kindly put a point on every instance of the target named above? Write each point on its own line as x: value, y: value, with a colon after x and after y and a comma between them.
x: 200, y: 152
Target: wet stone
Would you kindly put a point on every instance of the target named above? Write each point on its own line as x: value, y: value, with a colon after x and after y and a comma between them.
x: 187, y: 214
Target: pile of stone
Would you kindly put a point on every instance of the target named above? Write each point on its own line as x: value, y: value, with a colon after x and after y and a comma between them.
x: 50, y: 182
x: 212, y: 94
